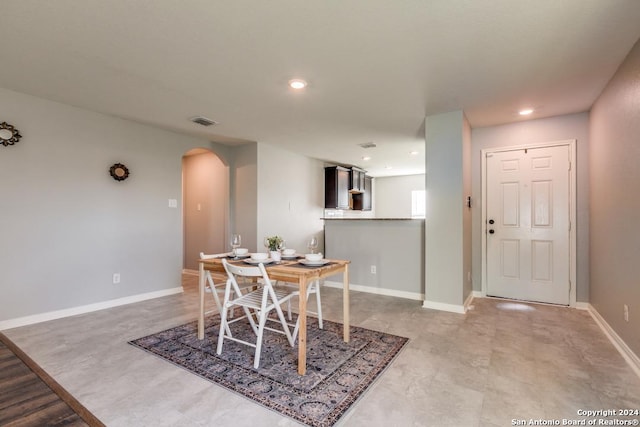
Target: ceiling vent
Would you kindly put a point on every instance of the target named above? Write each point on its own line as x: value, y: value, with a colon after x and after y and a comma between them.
x: 367, y: 145
x: 203, y: 121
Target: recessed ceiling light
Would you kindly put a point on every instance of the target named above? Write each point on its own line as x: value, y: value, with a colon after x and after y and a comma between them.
x: 388, y: 167
x: 297, y: 84
x: 413, y: 153
x: 525, y: 112
x: 365, y: 158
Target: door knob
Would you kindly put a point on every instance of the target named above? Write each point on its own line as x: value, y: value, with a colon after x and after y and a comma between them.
x: 491, y: 221
x: 491, y: 231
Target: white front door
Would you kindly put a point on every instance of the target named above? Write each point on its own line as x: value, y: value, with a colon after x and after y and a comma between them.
x: 528, y: 211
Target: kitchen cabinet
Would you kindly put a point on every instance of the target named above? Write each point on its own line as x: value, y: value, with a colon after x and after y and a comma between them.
x: 366, y: 194
x: 357, y: 180
x: 337, y: 181
x: 363, y: 201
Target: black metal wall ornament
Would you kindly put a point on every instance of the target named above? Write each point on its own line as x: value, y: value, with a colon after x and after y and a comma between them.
x: 9, y: 135
x: 119, y: 172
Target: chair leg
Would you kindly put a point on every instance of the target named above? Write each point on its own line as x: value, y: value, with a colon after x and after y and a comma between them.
x: 263, y: 320
x: 223, y: 326
x: 319, y: 304
x: 233, y: 310
x: 288, y: 305
x: 295, y: 329
x: 285, y: 325
x: 226, y: 327
x: 216, y: 298
x: 315, y: 285
x: 256, y: 328
x: 219, y: 305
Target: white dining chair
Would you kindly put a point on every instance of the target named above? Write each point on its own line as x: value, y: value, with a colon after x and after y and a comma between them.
x: 262, y: 301
x: 312, y: 288
x: 215, y: 283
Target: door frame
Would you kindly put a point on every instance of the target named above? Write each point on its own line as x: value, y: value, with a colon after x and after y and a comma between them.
x: 571, y: 144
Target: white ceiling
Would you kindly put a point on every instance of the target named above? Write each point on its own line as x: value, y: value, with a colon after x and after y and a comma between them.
x: 375, y: 68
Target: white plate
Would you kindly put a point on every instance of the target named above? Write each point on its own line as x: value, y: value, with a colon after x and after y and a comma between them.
x: 239, y: 256
x: 258, y: 261
x: 314, y: 263
x: 294, y: 256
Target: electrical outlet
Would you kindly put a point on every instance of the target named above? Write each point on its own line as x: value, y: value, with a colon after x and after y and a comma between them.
x: 373, y: 269
x: 116, y: 278
x: 626, y: 313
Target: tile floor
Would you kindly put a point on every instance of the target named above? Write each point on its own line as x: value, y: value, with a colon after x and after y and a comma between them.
x: 500, y: 363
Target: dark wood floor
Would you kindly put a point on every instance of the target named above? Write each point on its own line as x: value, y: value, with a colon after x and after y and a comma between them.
x: 30, y: 397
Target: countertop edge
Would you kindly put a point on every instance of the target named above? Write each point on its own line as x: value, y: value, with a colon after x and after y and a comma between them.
x: 372, y: 219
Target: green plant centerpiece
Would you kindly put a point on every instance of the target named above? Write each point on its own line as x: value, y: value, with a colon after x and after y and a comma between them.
x: 275, y: 243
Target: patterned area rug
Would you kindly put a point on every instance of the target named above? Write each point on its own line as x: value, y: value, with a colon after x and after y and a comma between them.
x: 338, y: 373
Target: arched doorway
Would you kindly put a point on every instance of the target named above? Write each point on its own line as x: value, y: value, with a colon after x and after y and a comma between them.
x: 205, y: 205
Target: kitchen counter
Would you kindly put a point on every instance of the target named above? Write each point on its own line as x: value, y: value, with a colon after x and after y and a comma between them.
x: 333, y: 218
x: 386, y: 254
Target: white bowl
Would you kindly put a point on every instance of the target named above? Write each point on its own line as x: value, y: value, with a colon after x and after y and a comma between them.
x: 242, y: 251
x: 259, y: 256
x: 288, y: 251
x: 313, y: 257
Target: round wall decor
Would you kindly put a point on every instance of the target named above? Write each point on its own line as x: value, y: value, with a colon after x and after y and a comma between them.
x: 119, y: 172
x: 8, y: 134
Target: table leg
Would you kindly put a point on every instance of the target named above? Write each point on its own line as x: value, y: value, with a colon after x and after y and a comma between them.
x: 201, y: 303
x: 345, y: 302
x: 302, y: 331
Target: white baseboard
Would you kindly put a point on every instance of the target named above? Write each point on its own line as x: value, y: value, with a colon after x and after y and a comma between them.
x: 379, y: 291
x: 58, y: 314
x: 582, y: 306
x: 400, y: 294
x: 453, y: 308
x: 468, y: 301
x: 628, y: 354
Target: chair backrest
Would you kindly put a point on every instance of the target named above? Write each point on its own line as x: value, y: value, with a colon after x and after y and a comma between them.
x: 246, y: 271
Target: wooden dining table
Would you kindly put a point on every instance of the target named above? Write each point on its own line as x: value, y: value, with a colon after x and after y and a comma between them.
x: 291, y: 271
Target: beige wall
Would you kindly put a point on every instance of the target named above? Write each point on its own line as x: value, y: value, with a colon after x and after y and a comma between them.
x: 244, y: 195
x: 290, y: 197
x: 67, y: 226
x: 393, y: 195
x: 615, y: 201
x: 205, y: 186
x: 60, y: 206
